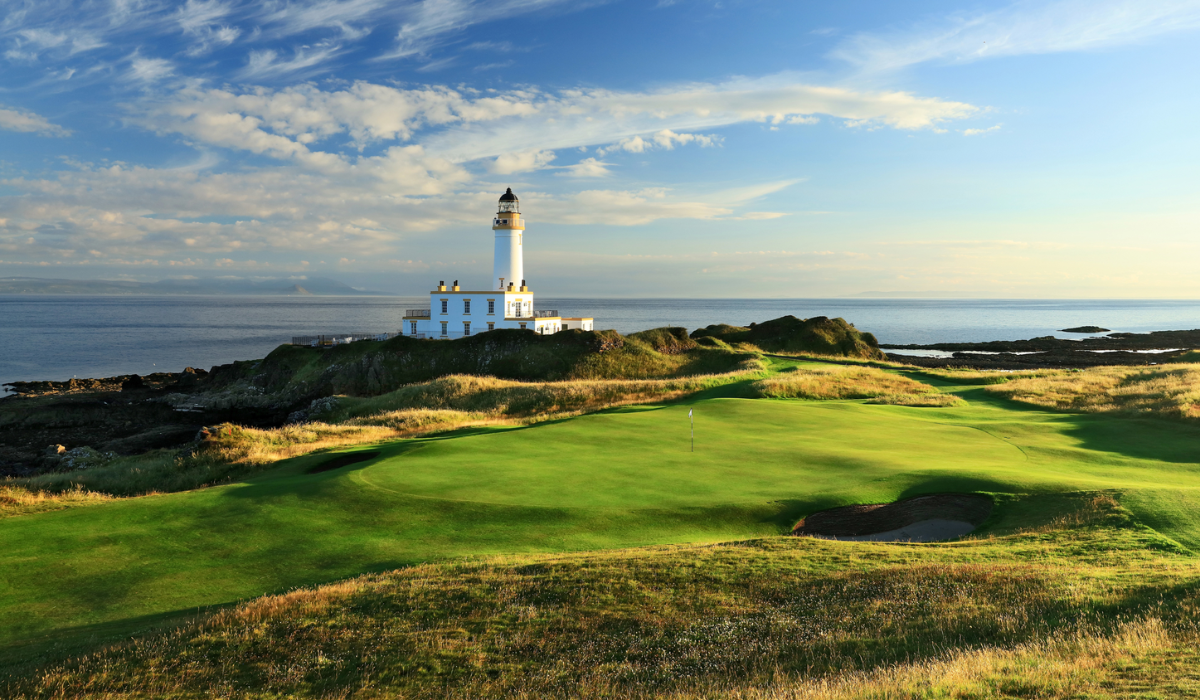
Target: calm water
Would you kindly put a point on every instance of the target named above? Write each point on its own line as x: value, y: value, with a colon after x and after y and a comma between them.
x: 57, y: 337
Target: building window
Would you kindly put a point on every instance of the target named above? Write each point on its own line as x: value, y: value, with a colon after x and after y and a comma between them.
x: 491, y: 306
x: 466, y: 328
x: 445, y: 303
x: 491, y: 325
x: 444, y: 324
x: 413, y: 324
x: 522, y: 326
x: 466, y: 306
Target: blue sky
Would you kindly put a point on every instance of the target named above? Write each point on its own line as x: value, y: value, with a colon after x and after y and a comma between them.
x: 691, y: 149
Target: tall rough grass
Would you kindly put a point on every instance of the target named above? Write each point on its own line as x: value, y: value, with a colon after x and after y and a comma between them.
x: 488, y: 396
x: 851, y: 382
x: 22, y: 501
x: 1167, y: 390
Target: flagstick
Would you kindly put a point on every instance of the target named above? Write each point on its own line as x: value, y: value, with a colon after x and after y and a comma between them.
x: 693, y: 421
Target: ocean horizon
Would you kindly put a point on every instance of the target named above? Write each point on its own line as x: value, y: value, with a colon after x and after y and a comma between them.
x: 56, y: 337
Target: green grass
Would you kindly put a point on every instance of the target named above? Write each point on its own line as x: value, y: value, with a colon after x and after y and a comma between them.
x: 615, y: 479
x: 1088, y: 606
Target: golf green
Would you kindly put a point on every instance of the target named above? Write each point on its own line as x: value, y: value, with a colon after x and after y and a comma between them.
x: 618, y: 478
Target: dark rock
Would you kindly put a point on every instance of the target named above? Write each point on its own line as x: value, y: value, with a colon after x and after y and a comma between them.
x: 132, y: 383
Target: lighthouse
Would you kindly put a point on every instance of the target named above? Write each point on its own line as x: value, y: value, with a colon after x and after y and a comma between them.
x: 508, y: 302
x: 508, y: 265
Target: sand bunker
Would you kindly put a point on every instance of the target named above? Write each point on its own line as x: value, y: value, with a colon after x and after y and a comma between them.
x: 342, y: 461
x: 920, y: 519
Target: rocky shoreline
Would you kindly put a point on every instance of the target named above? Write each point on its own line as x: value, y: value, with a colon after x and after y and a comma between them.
x: 79, y: 423
x: 1049, y: 352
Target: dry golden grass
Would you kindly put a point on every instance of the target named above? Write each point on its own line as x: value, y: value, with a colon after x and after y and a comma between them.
x: 491, y: 397
x: 970, y: 375
x: 235, y: 444
x: 849, y: 382
x: 1078, y: 666
x: 15, y: 500
x: 929, y: 400
x: 1167, y: 390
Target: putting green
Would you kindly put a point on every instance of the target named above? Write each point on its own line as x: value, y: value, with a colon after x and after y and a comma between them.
x: 615, y: 479
x: 746, y: 452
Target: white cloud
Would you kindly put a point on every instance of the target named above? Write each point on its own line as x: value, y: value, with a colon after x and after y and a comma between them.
x: 574, y: 118
x: 149, y: 70
x: 976, y: 132
x: 266, y: 63
x: 60, y: 29
x: 148, y: 216
x: 202, y: 19
x: 588, y: 167
x: 512, y: 128
x: 1022, y: 28
x: 522, y: 162
x: 425, y: 23
x: 665, y: 139
x: 28, y: 122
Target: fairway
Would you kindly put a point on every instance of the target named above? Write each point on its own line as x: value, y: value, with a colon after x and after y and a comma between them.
x: 618, y: 478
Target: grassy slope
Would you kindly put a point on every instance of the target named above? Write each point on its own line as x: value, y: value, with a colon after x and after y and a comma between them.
x: 1087, y: 605
x: 615, y: 479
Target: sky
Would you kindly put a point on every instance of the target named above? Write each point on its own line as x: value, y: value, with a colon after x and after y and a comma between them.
x: 678, y: 148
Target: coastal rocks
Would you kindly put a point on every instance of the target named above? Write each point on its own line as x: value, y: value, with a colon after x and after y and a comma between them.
x: 1085, y: 329
x: 84, y: 458
x: 125, y: 382
x: 157, y: 437
x: 314, y: 411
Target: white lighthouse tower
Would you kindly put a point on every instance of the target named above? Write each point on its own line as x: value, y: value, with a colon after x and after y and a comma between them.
x: 508, y: 266
x: 508, y: 303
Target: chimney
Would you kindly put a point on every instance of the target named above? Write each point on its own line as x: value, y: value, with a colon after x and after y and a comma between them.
x: 441, y: 285
x: 456, y: 285
x: 523, y: 287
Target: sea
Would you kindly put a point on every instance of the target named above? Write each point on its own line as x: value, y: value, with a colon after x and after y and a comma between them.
x: 56, y: 337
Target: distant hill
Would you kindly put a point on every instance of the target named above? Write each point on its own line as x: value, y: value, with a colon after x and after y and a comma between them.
x: 321, y: 286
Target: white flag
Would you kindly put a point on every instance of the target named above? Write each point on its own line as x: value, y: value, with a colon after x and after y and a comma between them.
x: 689, y: 413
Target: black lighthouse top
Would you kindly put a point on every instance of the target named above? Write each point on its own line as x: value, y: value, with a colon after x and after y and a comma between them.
x: 509, y: 202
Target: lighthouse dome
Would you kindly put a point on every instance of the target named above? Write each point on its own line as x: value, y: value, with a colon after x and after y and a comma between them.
x: 509, y: 202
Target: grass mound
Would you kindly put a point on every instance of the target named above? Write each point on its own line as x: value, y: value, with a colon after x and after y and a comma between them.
x: 370, y: 368
x: 788, y: 334
x: 849, y: 382
x: 1168, y: 390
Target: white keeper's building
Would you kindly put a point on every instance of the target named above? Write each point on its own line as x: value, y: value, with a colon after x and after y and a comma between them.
x: 454, y: 313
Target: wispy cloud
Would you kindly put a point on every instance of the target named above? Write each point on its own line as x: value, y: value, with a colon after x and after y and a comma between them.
x: 1022, y: 28
x: 977, y: 132
x: 519, y: 129
x: 315, y: 32
x: 664, y: 139
x: 575, y: 118
x: 24, y: 121
x: 148, y: 70
x: 305, y: 60
x: 588, y: 167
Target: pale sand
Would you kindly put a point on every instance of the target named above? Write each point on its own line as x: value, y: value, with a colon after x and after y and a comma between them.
x: 934, y: 530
